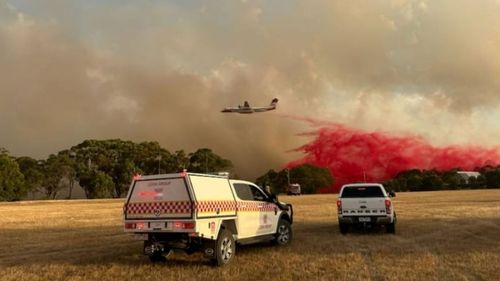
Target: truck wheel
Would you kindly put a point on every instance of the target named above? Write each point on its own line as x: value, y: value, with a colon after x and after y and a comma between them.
x: 391, y: 228
x: 157, y: 257
x: 225, y: 248
x: 344, y: 228
x: 160, y: 256
x: 156, y: 252
x: 283, y: 233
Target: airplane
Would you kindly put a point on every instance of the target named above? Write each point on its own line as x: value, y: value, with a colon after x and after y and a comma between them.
x: 247, y: 109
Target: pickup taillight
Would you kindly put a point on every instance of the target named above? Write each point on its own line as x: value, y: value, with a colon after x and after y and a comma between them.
x: 135, y: 225
x: 388, y: 205
x: 339, y: 206
x: 184, y: 225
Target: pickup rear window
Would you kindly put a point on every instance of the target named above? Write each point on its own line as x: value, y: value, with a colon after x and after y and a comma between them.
x: 362, y: 192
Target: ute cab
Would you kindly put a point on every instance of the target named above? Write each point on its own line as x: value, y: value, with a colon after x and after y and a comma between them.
x: 365, y: 204
x: 202, y: 212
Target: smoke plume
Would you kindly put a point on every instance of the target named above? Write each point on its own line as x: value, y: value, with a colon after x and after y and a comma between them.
x: 163, y: 70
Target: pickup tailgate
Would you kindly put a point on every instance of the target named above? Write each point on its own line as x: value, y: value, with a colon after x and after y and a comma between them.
x: 159, y: 198
x: 363, y: 206
x: 365, y: 200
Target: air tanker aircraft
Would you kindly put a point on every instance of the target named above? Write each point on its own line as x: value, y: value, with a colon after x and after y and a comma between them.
x: 247, y: 109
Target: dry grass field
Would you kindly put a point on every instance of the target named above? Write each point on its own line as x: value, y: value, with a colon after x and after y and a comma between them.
x: 449, y: 235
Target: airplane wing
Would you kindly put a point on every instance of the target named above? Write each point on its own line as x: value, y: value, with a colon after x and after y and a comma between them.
x: 230, y: 109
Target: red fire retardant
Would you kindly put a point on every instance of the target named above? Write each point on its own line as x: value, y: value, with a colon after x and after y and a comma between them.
x: 354, y: 155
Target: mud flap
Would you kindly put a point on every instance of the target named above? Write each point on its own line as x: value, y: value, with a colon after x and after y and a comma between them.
x: 209, y: 248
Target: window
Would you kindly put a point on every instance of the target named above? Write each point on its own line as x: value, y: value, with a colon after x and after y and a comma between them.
x: 249, y: 192
x: 362, y: 191
x: 257, y: 194
x: 243, y: 191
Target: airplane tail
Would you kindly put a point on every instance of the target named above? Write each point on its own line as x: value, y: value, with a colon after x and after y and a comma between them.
x: 274, y: 102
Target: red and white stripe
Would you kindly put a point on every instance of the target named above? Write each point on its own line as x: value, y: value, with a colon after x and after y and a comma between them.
x: 184, y: 207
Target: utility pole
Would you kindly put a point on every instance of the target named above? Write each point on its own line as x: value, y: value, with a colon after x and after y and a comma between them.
x: 206, y: 162
x: 288, y: 175
x: 159, y: 163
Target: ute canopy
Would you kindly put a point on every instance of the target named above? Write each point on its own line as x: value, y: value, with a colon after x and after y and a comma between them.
x: 159, y: 197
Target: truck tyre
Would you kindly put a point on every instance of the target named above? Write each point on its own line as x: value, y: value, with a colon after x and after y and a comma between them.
x: 344, y: 228
x: 157, y: 257
x: 225, y: 248
x: 160, y: 256
x: 391, y: 228
x: 283, y: 233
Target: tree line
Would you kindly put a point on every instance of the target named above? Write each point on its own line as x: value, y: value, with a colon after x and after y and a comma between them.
x: 103, y: 168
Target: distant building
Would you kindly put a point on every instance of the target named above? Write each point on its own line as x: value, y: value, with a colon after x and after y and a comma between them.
x: 466, y: 175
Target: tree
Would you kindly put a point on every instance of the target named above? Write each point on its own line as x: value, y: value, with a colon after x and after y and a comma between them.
x: 452, y: 180
x: 204, y: 160
x: 32, y: 170
x: 114, y: 157
x: 12, y: 186
x: 55, y: 168
x: 492, y: 178
x: 431, y: 181
x: 97, y: 184
x: 151, y: 159
x: 310, y: 177
x: 276, y: 181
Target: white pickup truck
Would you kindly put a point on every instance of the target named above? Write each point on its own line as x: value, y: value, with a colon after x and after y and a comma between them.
x: 365, y: 204
x: 202, y: 212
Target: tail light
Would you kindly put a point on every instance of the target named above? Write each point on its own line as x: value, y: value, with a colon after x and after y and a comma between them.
x: 134, y: 225
x: 184, y: 225
x: 130, y: 226
x: 388, y: 205
x: 339, y: 206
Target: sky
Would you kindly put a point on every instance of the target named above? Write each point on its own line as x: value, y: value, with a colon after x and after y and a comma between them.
x: 163, y: 70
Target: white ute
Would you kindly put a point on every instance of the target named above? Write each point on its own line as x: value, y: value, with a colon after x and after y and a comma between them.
x: 202, y: 212
x: 365, y: 204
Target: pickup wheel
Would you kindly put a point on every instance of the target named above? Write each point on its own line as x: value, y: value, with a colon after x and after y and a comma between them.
x: 225, y: 248
x: 283, y: 233
x: 343, y: 227
x: 157, y: 257
x: 391, y: 228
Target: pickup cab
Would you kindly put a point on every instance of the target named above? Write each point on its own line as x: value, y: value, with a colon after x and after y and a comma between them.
x: 365, y: 204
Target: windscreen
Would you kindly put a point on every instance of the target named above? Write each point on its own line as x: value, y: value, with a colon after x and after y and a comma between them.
x: 159, y: 198
x: 362, y: 191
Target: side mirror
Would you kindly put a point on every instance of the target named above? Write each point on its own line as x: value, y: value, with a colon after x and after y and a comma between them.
x: 272, y: 197
x: 392, y: 193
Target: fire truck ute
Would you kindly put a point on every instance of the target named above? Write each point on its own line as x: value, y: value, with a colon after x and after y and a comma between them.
x: 202, y: 212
